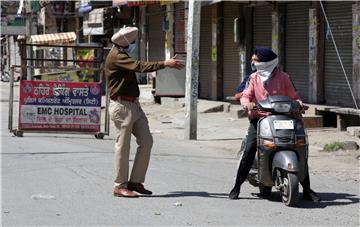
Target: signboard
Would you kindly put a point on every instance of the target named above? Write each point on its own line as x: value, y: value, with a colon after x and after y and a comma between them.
x: 12, y: 25
x: 69, y: 76
x: 59, y: 106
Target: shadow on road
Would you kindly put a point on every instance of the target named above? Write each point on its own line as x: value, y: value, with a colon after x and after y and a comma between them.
x: 327, y: 199
x: 221, y: 139
x: 32, y: 135
x: 331, y: 199
x: 191, y: 194
x: 58, y: 153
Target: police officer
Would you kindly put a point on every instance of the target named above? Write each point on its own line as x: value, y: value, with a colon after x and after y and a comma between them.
x: 126, y: 112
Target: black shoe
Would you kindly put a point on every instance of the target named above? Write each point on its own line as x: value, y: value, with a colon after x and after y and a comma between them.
x: 234, y: 194
x: 139, y: 188
x: 311, y: 195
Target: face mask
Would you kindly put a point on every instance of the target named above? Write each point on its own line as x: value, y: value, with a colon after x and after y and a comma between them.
x: 253, y: 67
x: 130, y: 48
x: 264, y: 69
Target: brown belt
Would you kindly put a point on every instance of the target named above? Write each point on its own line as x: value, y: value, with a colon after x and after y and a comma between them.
x: 125, y: 98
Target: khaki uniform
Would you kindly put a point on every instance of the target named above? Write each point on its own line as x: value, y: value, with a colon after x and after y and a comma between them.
x: 127, y: 114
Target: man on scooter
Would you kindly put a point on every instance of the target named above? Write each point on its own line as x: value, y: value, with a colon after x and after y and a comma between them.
x: 267, y: 80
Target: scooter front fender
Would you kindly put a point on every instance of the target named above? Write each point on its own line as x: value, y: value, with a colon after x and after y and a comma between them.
x: 286, y: 160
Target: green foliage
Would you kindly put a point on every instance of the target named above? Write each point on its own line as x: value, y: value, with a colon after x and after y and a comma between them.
x: 333, y: 146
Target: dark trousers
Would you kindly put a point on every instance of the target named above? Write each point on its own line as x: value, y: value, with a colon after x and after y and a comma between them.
x: 248, y: 156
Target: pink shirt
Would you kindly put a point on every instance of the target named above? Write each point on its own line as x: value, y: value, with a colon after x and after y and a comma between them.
x: 278, y: 84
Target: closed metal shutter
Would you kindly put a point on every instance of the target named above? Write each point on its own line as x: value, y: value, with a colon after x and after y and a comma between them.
x: 231, y: 66
x: 156, y: 38
x: 180, y: 25
x: 337, y: 91
x: 296, y: 46
x: 262, y: 26
x: 205, y: 53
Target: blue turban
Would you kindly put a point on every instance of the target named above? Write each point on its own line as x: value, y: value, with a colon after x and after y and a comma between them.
x: 265, y: 54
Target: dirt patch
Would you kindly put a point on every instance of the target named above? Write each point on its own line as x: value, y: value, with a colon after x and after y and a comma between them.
x: 341, y: 164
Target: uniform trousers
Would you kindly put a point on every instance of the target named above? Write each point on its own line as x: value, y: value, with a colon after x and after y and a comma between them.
x: 130, y: 119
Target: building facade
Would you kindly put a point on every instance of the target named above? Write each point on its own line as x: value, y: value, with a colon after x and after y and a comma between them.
x: 298, y: 32
x: 302, y: 33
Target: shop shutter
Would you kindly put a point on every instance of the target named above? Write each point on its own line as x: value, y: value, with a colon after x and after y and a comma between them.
x: 296, y: 46
x: 231, y: 65
x: 205, y: 53
x: 156, y: 38
x: 262, y: 26
x: 180, y: 36
x: 337, y: 91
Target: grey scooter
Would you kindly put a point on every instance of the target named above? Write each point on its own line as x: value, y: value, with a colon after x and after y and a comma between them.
x: 282, y: 149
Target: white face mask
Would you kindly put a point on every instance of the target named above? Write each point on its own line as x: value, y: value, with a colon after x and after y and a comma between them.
x: 264, y: 69
x: 130, y: 48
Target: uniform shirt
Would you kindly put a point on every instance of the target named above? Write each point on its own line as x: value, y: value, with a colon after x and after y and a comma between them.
x: 120, y: 70
x: 278, y: 84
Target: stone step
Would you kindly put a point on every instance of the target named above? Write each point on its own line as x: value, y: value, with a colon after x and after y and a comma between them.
x: 354, y: 131
x: 313, y: 121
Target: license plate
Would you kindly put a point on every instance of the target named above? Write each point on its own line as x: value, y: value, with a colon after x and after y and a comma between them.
x: 283, y: 124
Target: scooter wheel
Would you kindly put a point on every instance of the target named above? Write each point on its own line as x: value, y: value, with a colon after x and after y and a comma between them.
x: 290, y: 190
x: 99, y: 135
x: 18, y: 133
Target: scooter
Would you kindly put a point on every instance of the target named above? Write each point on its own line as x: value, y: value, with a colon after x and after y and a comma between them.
x: 282, y: 149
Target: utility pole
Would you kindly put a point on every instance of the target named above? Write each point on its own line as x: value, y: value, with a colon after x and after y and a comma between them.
x: 169, y: 43
x: 192, y: 69
x: 29, y: 51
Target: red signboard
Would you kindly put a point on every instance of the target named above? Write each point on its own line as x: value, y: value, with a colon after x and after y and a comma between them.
x: 59, y: 106
x: 142, y: 2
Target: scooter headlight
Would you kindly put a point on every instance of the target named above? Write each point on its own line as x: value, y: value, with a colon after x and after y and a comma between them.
x: 282, y: 107
x: 268, y: 144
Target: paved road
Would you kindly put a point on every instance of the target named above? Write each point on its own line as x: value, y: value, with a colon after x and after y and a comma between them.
x: 66, y: 180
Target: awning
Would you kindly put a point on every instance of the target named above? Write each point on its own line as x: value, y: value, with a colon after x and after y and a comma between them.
x: 142, y: 3
x: 133, y: 3
x: 55, y: 38
x: 119, y: 2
